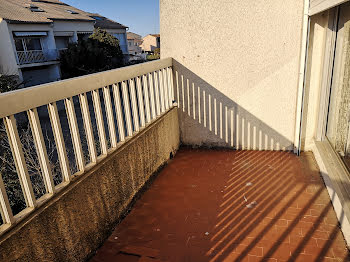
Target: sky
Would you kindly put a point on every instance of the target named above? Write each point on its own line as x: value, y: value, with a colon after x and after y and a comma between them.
x: 141, y: 16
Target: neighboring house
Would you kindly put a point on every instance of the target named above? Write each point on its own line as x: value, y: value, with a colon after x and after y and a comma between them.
x: 134, y: 43
x: 33, y: 32
x: 150, y: 42
x: 116, y: 29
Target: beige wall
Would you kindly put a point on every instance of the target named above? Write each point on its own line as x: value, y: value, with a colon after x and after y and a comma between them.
x: 149, y: 43
x: 8, y: 64
x: 245, y: 55
x: 76, y: 221
x: 134, y: 48
x: 73, y: 26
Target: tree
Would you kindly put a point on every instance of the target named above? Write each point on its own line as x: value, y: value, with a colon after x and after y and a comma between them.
x: 9, y: 83
x: 155, y: 55
x: 100, y: 52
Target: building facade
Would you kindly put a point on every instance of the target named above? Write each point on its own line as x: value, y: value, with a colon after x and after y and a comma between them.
x: 134, y: 43
x: 150, y: 42
x: 33, y: 33
x: 116, y: 29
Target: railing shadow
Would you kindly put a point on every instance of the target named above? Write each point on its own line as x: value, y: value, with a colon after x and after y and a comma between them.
x: 209, y: 118
x: 292, y: 218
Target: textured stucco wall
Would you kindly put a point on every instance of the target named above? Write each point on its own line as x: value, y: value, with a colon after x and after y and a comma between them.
x: 82, y: 216
x: 245, y: 54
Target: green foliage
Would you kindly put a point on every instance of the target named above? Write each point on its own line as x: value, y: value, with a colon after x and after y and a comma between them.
x: 155, y: 55
x: 9, y: 83
x: 100, y: 52
x: 157, y: 51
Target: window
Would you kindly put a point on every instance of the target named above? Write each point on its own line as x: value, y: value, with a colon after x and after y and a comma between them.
x: 62, y: 42
x: 97, y: 18
x: 28, y: 44
x: 337, y: 121
x: 35, y: 8
x: 72, y: 12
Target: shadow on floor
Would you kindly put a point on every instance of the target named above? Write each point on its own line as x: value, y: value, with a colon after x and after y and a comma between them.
x: 224, y: 205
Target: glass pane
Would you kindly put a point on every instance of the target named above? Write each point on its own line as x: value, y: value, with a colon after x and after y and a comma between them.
x: 19, y: 44
x: 33, y: 43
x: 338, y: 128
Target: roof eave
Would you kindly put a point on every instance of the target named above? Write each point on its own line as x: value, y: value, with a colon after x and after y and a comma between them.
x: 11, y: 21
x: 71, y: 19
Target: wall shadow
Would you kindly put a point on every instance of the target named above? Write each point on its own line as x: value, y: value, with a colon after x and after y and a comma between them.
x: 209, y: 118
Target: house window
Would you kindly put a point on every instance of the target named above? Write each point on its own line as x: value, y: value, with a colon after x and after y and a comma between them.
x: 28, y: 44
x: 62, y: 42
x: 35, y: 8
x: 72, y: 12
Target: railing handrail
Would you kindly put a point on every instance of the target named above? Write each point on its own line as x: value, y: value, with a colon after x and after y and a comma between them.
x: 17, y: 101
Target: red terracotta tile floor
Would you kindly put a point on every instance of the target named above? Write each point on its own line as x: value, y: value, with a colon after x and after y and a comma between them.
x: 221, y: 205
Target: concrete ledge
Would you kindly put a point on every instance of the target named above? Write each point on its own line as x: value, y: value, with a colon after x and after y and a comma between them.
x: 76, y: 221
x: 337, y: 181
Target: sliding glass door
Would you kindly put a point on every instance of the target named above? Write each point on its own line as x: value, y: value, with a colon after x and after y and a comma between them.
x: 338, y: 119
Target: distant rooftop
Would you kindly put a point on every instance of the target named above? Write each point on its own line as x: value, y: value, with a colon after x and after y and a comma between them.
x: 105, y: 23
x: 40, y: 11
x: 131, y: 35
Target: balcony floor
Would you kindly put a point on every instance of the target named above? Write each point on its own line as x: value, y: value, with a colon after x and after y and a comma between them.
x: 220, y: 205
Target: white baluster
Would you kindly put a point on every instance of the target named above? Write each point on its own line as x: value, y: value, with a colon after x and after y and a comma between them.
x: 118, y: 108
x: 59, y: 141
x: 41, y: 150
x: 18, y: 157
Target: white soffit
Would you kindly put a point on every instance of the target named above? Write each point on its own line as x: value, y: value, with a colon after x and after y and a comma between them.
x: 30, y: 33
x: 317, y: 6
x: 84, y: 32
x: 63, y: 33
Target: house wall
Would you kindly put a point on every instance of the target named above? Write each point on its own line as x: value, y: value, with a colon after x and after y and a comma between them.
x: 149, y: 43
x: 69, y: 26
x: 8, y: 64
x: 47, y: 42
x: 245, y: 55
x: 134, y: 48
x: 40, y: 75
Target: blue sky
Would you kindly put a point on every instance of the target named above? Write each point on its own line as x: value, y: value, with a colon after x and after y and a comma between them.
x: 141, y: 16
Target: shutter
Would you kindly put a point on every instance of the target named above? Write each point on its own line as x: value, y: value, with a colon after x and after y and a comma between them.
x: 317, y: 6
x: 30, y: 33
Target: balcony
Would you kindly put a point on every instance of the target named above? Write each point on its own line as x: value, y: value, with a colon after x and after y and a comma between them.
x: 78, y: 155
x: 37, y: 56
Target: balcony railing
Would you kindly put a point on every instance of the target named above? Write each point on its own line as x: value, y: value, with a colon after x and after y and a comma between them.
x: 37, y: 56
x: 100, y: 110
